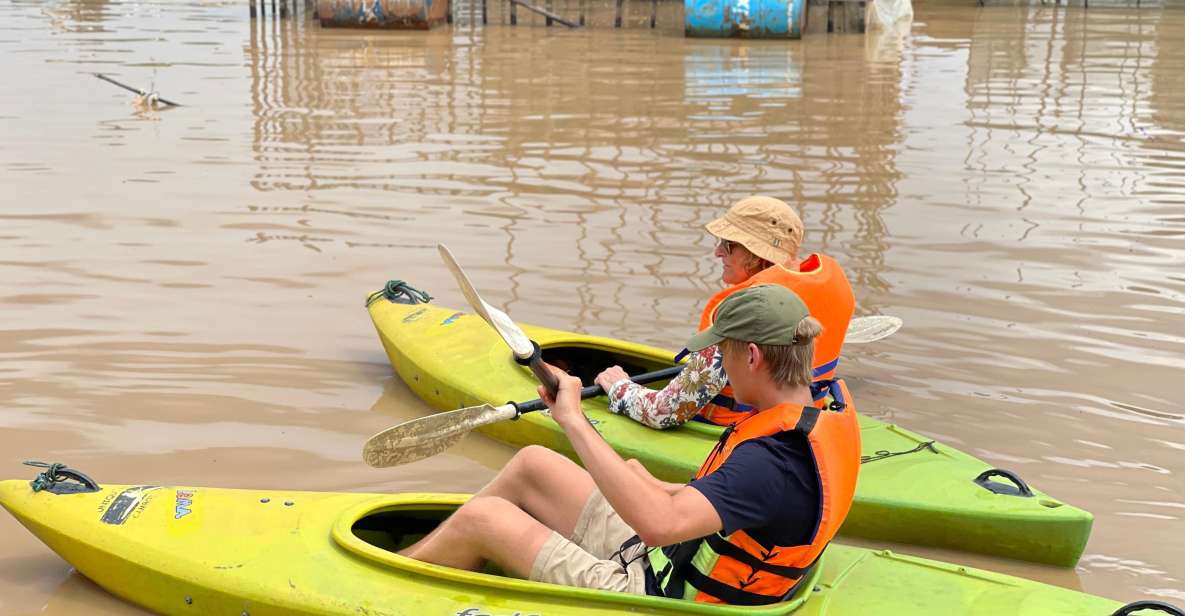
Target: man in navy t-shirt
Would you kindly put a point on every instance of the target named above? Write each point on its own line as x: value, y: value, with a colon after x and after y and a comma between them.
x: 755, y: 517
x: 770, y: 486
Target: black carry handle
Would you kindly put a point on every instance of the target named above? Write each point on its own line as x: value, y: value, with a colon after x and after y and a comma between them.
x: 592, y: 391
x: 1137, y: 606
x: 1021, y: 488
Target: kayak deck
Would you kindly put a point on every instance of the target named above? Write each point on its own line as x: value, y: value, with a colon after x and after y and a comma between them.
x: 186, y: 550
x: 926, y: 494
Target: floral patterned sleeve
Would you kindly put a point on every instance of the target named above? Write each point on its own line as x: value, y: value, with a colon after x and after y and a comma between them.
x: 701, y: 379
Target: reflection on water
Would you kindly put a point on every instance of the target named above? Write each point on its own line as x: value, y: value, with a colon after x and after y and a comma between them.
x: 182, y: 296
x: 497, y: 123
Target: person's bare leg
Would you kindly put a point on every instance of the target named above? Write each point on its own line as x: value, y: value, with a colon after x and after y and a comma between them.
x: 546, y: 485
x: 487, y: 528
x: 540, y: 482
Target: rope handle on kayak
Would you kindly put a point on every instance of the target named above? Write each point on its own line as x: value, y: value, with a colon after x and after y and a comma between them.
x: 1021, y: 488
x: 1137, y: 606
x: 55, y: 477
x: 399, y: 292
x: 881, y: 454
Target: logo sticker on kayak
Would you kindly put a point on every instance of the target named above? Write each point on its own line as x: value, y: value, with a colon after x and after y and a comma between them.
x: 477, y: 611
x: 128, y: 504
x: 415, y: 315
x: 452, y: 318
x: 184, y: 504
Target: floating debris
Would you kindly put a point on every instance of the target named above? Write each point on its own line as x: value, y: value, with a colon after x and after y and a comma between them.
x: 144, y: 100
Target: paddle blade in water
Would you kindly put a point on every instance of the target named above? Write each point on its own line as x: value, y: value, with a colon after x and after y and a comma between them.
x: 870, y: 329
x: 514, y: 336
x: 427, y: 436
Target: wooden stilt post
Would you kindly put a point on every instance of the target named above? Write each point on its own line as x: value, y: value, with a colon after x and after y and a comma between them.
x: 273, y: 7
x: 513, y: 13
x: 617, y: 18
x: 548, y: 18
x: 283, y: 9
x: 263, y: 8
x: 653, y: 13
x: 485, y: 16
x: 581, y: 3
x: 252, y: 4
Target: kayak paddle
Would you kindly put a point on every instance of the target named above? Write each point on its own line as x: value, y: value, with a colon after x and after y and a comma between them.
x: 525, y: 351
x: 427, y: 436
x: 862, y: 330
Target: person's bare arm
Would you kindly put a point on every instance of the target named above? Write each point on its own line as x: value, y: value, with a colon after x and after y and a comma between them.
x: 668, y: 487
x: 660, y: 517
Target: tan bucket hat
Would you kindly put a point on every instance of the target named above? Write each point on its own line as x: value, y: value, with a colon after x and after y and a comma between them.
x: 768, y: 227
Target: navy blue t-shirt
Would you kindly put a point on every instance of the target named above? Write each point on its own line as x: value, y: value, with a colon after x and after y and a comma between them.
x: 769, y: 487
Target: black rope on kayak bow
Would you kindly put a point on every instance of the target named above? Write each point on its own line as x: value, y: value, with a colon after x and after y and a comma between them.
x: 399, y: 292
x: 56, y: 478
x: 48, y: 477
x: 883, y: 453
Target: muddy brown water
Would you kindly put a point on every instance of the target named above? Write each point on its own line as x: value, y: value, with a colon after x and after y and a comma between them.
x: 181, y: 290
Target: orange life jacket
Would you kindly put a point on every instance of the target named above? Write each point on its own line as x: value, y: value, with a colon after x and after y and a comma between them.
x: 823, y: 287
x: 739, y: 570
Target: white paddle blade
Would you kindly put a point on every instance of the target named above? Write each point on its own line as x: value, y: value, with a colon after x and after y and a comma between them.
x: 862, y: 330
x: 514, y: 336
x: 427, y: 436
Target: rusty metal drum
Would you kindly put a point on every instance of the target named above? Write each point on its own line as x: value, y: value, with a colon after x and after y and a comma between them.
x: 770, y: 19
x: 388, y: 14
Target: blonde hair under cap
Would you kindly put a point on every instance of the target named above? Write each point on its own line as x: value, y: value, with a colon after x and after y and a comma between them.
x: 767, y: 227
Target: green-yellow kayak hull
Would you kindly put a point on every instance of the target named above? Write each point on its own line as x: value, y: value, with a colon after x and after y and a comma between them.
x: 452, y: 360
x: 185, y: 550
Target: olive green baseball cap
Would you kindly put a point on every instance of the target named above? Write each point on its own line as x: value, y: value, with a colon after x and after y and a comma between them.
x: 764, y: 314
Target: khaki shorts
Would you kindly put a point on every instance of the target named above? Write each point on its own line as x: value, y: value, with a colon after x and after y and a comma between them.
x: 590, y: 559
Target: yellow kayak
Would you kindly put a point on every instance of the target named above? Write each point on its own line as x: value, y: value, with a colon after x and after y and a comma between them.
x: 195, y: 550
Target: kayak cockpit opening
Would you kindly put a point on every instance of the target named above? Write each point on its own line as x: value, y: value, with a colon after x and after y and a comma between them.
x: 586, y: 363
x: 376, y: 530
x: 395, y: 529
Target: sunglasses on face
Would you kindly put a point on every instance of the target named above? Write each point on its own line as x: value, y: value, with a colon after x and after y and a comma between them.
x: 726, y: 246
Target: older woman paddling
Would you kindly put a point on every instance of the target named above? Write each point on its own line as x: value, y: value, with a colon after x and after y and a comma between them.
x: 759, y: 238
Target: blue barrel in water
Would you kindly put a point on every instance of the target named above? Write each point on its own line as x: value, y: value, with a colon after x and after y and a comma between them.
x: 775, y: 19
x: 390, y: 14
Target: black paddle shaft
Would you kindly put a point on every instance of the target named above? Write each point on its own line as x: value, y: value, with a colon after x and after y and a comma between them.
x: 592, y: 391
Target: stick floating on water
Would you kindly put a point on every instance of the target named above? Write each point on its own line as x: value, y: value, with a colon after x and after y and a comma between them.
x: 137, y: 91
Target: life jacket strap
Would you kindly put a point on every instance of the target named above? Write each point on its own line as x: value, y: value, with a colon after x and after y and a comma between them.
x: 729, y: 594
x: 829, y: 387
x: 729, y: 403
x: 673, y: 576
x: 827, y: 367
x: 722, y: 547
